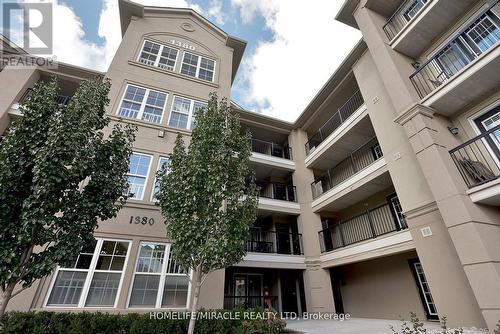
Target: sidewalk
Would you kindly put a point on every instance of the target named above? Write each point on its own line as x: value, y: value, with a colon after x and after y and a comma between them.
x: 351, y: 326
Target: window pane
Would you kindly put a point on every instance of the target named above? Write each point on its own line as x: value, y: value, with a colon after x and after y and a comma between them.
x: 139, y: 164
x: 112, y: 256
x: 175, y: 291
x: 136, y: 188
x: 84, y: 258
x: 103, y: 289
x: 144, y: 291
x: 181, y: 105
x: 149, y: 53
x: 168, y: 58
x: 156, y: 99
x: 189, y: 64
x: 152, y: 115
x: 157, y: 183
x: 129, y: 109
x: 178, y: 120
x: 150, y: 258
x: 135, y: 94
x: 206, y: 69
x: 198, y: 106
x: 67, y: 288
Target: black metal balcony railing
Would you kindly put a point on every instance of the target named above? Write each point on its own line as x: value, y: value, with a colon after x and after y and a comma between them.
x: 272, y: 149
x: 478, y: 159
x: 466, y: 46
x: 402, y: 16
x: 274, y: 242
x: 339, y: 117
x: 361, y: 158
x: 367, y: 225
x: 266, y: 302
x: 276, y: 190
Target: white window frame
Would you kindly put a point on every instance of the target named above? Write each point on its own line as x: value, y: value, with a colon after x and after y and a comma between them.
x: 143, y: 103
x: 161, y: 285
x: 156, y: 178
x: 158, y: 56
x: 190, y: 114
x: 90, y: 275
x: 198, y: 65
x: 478, y: 132
x: 137, y: 175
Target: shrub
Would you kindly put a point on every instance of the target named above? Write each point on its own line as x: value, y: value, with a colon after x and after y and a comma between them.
x: 417, y: 327
x: 497, y: 331
x: 132, y: 323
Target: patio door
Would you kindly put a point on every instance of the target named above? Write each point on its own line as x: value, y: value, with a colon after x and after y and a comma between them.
x: 424, y: 290
x: 248, y: 289
x: 397, y: 211
x: 283, y: 244
x: 488, y: 122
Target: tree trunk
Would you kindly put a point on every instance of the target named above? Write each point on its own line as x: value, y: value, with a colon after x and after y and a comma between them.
x: 194, y: 306
x: 4, y: 300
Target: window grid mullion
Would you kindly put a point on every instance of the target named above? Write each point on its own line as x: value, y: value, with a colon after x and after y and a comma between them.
x: 143, y: 103
x: 157, y: 61
x: 90, y: 274
x: 190, y: 115
x: 159, y: 296
x: 198, y: 67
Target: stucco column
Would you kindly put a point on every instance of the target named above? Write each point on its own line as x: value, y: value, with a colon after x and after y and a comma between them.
x: 212, y: 290
x: 13, y: 84
x: 318, y: 287
x: 474, y: 229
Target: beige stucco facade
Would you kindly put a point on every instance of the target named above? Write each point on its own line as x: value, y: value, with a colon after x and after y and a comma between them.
x: 363, y: 209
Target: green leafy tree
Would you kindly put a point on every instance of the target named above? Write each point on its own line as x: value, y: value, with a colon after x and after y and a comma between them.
x: 59, y: 175
x: 208, y: 196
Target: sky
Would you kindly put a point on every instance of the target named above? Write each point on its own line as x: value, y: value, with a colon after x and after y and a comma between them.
x: 294, y: 46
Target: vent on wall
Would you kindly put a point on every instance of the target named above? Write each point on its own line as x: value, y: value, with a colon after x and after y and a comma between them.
x: 426, y: 231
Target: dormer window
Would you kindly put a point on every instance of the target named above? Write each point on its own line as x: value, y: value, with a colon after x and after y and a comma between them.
x: 162, y: 56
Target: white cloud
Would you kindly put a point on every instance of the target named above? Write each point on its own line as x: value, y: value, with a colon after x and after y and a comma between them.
x: 284, y: 74
x: 215, y: 11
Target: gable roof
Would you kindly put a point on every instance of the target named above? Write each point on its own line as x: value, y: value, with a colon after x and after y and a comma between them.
x: 128, y: 9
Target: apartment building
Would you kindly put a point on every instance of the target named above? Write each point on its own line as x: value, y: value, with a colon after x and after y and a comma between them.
x: 380, y: 199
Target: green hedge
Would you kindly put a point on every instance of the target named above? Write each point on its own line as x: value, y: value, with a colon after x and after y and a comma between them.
x: 131, y: 323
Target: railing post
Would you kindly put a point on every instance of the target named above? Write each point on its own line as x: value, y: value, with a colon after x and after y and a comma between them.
x: 370, y: 221
x: 353, y: 164
x: 342, y: 238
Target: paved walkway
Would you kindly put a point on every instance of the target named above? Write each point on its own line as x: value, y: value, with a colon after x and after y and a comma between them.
x: 351, y: 326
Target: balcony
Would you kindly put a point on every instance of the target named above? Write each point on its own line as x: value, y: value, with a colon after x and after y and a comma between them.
x: 278, y: 197
x: 278, y: 191
x: 465, y: 68
x: 478, y: 161
x: 403, y: 16
x: 342, y: 114
x: 272, y: 242
x: 267, y: 154
x: 415, y: 24
x: 365, y: 226
x: 271, y: 149
x: 15, y: 109
x: 361, y: 158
